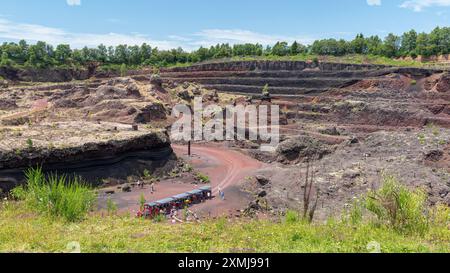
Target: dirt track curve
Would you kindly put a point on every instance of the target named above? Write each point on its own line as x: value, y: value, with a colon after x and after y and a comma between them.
x: 224, y: 166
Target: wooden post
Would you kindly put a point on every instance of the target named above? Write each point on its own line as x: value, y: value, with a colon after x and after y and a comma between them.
x: 189, y: 148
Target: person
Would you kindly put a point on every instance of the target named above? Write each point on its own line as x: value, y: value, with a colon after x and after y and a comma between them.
x: 222, y: 195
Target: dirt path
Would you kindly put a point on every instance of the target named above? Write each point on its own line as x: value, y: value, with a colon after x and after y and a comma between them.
x: 225, y: 167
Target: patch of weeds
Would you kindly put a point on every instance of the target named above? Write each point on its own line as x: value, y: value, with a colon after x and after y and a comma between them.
x: 187, y: 168
x: 147, y: 175
x: 203, y: 178
x: 422, y: 139
x: 30, y: 144
x: 56, y: 196
x: 396, y: 206
x: 291, y: 217
x: 142, y: 201
x: 111, y: 207
x: 355, y: 215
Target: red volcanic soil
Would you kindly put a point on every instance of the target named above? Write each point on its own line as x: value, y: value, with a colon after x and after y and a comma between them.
x: 226, y: 169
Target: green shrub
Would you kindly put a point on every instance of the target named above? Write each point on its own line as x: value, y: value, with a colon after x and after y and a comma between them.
x: 187, y: 168
x: 56, y: 196
x: 142, y: 201
x: 291, y: 217
x: 413, y: 82
x: 111, y: 207
x: 398, y: 207
x: 147, y: 174
x: 203, y: 178
x: 356, y: 212
x: 265, y: 90
x: 422, y: 139
x: 30, y: 143
x: 315, y: 60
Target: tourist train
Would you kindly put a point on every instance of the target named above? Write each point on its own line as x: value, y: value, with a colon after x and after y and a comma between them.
x: 180, y: 201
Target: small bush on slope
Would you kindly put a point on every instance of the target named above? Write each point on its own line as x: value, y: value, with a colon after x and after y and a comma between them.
x: 398, y: 207
x: 56, y: 196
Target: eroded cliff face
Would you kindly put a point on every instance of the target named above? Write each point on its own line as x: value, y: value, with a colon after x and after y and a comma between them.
x: 61, y: 74
x: 107, y: 151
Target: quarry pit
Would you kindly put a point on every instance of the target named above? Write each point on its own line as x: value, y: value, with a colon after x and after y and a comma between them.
x: 352, y: 123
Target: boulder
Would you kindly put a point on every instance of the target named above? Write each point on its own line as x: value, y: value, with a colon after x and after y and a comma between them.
x: 156, y: 80
x: 434, y: 155
x: 300, y: 148
x: 262, y: 180
x: 262, y: 194
x: 443, y: 84
x: 330, y: 131
x: 151, y: 112
x: 185, y: 95
x: 126, y: 188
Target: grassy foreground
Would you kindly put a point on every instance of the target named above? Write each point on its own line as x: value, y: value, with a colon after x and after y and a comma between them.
x: 54, y: 216
x: 23, y: 231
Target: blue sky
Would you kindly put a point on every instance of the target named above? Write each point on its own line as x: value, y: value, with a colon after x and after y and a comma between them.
x: 191, y: 23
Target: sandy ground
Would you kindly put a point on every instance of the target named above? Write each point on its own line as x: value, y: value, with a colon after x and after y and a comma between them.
x: 226, y: 168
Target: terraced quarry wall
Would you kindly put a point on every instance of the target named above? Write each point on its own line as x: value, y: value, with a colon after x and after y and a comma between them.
x: 332, y: 92
x: 283, y: 77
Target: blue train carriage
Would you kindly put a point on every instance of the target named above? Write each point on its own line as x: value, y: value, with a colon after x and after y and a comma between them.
x: 181, y: 200
x: 196, y: 196
x: 207, y: 192
x: 150, y: 210
x: 166, y: 205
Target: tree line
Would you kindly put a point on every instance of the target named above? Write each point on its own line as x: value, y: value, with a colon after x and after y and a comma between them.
x: 42, y: 54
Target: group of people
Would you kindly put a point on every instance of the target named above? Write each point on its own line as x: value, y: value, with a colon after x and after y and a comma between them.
x: 141, y: 184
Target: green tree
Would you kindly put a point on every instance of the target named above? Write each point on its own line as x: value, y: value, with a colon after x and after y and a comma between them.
x: 409, y: 43
x: 146, y: 52
x: 63, y: 54
x: 359, y: 45
x: 5, y: 61
x: 391, y: 46
x: 280, y: 49
x: 102, y: 54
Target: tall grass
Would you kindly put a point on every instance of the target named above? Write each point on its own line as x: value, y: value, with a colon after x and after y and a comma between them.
x: 56, y: 196
x: 397, y: 206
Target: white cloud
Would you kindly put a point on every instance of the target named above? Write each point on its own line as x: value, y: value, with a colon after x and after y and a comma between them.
x: 12, y: 31
x: 374, y: 2
x: 73, y: 2
x: 210, y: 37
x: 419, y: 5
x: 16, y: 31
